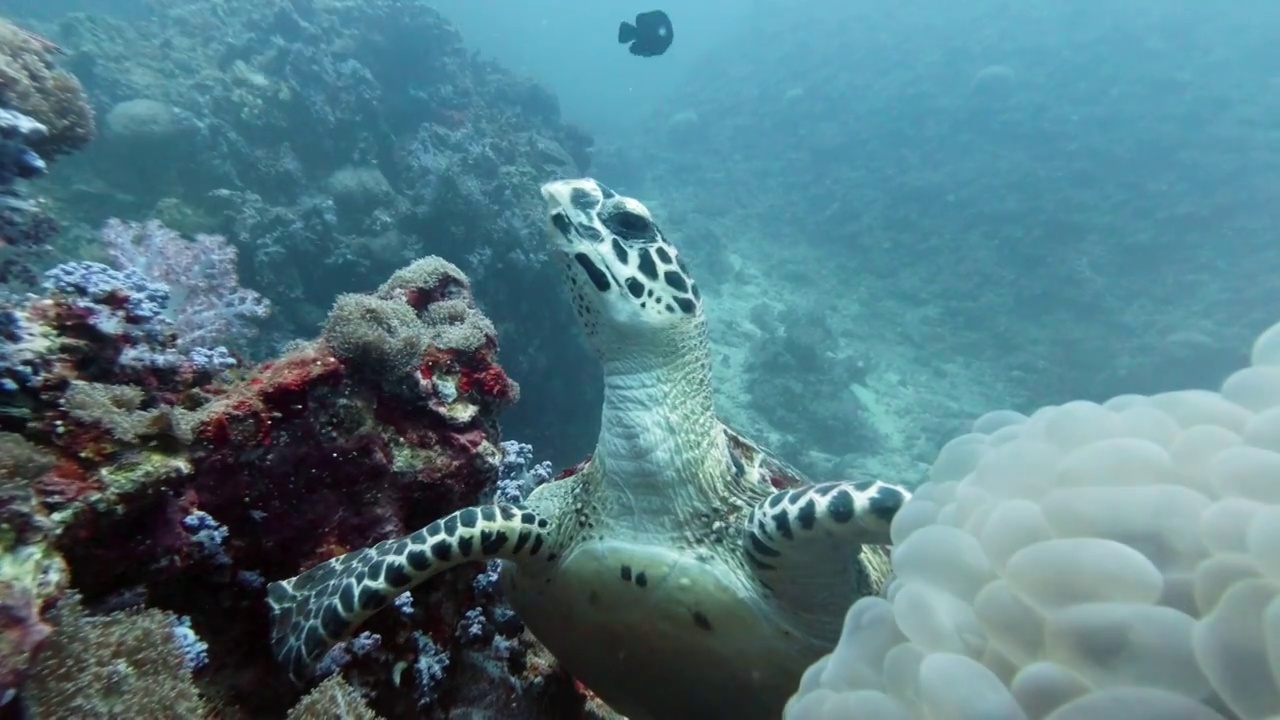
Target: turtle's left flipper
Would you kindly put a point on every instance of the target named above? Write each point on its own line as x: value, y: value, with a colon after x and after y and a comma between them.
x: 852, y: 513
x: 801, y: 542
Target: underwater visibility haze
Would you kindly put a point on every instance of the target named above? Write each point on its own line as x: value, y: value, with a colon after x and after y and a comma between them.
x: 770, y: 361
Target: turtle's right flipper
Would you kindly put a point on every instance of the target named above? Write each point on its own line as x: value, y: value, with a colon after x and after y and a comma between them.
x: 816, y: 547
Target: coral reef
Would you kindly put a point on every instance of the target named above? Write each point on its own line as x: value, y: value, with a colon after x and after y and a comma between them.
x: 24, y: 228
x: 43, y: 114
x: 18, y: 133
x: 359, y: 135
x: 130, y: 490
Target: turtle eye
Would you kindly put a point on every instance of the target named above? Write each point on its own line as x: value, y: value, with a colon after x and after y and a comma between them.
x: 629, y: 224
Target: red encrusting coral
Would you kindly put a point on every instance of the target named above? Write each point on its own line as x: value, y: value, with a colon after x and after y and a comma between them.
x: 67, y: 482
x: 573, y: 470
x: 482, y: 375
x: 274, y: 393
x: 477, y: 373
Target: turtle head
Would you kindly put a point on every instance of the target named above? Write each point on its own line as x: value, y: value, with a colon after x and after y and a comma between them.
x: 629, y: 287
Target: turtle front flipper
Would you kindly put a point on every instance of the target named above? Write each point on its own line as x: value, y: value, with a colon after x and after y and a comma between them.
x: 852, y: 513
x: 817, y: 547
x: 324, y: 605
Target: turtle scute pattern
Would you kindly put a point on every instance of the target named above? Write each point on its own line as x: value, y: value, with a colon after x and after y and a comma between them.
x: 324, y: 605
x: 1118, y: 561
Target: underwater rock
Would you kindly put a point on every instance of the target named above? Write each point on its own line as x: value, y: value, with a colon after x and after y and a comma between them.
x: 359, y: 190
x: 142, y: 121
x: 800, y: 380
x: 148, y: 146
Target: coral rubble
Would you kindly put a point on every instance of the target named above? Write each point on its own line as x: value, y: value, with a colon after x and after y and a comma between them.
x: 145, y: 507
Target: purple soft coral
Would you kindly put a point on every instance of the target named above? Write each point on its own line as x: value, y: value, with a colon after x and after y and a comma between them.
x: 208, y: 306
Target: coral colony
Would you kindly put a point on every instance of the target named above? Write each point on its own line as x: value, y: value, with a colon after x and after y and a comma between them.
x: 154, y: 473
x: 130, y: 463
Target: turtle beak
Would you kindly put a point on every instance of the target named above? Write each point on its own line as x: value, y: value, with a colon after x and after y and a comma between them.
x: 559, y: 227
x: 548, y: 192
x: 556, y: 193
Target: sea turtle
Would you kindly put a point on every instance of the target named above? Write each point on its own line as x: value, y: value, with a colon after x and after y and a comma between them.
x: 681, y: 571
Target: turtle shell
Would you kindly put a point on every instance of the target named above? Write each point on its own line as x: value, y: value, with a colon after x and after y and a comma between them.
x: 755, y: 465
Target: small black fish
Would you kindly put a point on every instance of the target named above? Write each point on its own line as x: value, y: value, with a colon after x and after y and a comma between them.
x: 651, y: 34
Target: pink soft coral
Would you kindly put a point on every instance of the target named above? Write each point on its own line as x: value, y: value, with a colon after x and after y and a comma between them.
x: 207, y: 305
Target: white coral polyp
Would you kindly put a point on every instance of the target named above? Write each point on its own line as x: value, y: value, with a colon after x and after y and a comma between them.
x: 1089, y: 562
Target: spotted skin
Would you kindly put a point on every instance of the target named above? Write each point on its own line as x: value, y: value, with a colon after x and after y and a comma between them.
x: 791, y: 536
x: 325, y: 605
x: 859, y: 512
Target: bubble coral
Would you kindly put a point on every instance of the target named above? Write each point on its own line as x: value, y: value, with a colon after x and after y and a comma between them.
x: 1108, y: 562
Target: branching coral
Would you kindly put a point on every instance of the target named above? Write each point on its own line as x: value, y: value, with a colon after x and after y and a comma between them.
x: 138, y: 312
x: 32, y: 85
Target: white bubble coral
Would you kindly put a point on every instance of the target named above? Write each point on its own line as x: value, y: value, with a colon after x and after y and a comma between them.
x: 1089, y: 562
